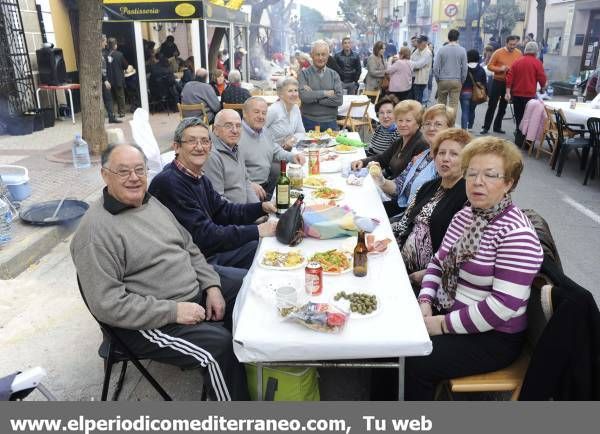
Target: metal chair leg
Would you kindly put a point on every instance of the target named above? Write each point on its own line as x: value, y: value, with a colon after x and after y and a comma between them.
x: 151, y: 379
x: 117, y: 392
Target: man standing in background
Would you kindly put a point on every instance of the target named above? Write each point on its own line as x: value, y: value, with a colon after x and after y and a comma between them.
x: 349, y: 67
x: 420, y: 60
x: 500, y: 62
x: 450, y: 70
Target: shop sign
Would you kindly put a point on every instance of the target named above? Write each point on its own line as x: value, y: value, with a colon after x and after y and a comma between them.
x: 153, y: 11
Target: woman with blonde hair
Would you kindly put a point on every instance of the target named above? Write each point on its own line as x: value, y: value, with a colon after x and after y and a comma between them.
x: 475, y: 291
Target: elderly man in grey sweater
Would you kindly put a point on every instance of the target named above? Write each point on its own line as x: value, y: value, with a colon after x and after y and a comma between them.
x: 320, y: 90
x: 225, y: 167
x: 261, y: 154
x: 142, y: 274
x: 199, y: 91
x: 450, y: 70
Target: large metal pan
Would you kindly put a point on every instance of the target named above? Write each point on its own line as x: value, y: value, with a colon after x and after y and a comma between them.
x: 39, y: 213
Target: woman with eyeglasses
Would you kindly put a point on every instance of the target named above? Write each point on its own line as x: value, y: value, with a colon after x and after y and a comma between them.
x: 475, y: 291
x: 386, y: 132
x: 421, y: 167
x: 420, y: 231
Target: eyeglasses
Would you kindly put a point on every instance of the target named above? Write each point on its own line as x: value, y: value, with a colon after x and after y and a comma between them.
x: 140, y: 172
x: 230, y: 126
x: 436, y: 125
x: 204, y: 141
x: 488, y: 175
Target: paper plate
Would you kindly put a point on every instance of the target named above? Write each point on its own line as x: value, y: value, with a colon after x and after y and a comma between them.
x: 314, y: 187
x: 339, y: 197
x: 349, y: 151
x: 273, y: 267
x: 344, y: 304
x: 349, y: 255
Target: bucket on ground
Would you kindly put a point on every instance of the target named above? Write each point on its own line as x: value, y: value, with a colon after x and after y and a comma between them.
x: 16, y: 179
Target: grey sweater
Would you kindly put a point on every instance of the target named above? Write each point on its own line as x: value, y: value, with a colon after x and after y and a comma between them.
x: 450, y: 63
x: 258, y: 152
x: 226, y: 170
x: 315, y: 105
x: 195, y: 92
x: 136, y: 265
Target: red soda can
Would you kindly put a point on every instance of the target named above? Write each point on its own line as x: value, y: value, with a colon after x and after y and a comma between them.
x: 314, y: 278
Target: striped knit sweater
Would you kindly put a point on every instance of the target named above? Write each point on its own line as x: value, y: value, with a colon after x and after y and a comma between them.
x: 494, y: 286
x: 381, y: 140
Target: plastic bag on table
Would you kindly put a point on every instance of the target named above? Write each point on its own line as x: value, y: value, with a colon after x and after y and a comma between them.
x: 321, y: 317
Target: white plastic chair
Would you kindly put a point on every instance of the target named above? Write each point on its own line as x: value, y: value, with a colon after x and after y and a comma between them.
x: 144, y: 138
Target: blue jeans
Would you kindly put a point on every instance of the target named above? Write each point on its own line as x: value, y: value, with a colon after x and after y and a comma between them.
x: 467, y: 108
x: 418, y: 92
x: 309, y: 124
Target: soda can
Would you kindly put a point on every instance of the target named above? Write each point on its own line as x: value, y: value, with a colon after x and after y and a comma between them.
x: 313, y: 278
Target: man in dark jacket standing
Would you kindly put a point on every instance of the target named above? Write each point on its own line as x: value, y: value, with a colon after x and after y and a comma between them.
x: 349, y: 65
x: 106, y: 95
x: 117, y: 65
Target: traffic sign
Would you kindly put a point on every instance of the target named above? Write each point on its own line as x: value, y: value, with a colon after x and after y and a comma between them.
x: 451, y: 10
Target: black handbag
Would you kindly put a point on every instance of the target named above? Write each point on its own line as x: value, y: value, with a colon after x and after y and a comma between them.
x: 290, y: 227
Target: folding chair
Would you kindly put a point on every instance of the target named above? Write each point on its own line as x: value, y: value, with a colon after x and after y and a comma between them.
x: 113, y: 350
x: 353, y: 122
x: 593, y: 125
x: 237, y: 107
x: 193, y: 107
x: 373, y: 95
x: 570, y: 139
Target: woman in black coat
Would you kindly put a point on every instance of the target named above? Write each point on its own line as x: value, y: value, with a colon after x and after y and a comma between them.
x: 467, y: 106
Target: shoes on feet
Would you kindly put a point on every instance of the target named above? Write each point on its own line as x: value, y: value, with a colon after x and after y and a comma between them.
x: 114, y: 121
x: 483, y: 131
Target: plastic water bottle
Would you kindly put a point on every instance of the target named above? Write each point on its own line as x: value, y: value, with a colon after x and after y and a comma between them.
x: 5, y: 223
x: 81, y: 153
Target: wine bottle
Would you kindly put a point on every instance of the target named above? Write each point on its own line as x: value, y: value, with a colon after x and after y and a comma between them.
x: 360, y: 256
x: 282, y: 190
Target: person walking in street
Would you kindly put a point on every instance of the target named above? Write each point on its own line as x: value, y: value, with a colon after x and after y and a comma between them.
x: 450, y: 70
x: 499, y: 64
x: 320, y: 90
x: 400, y: 73
x: 350, y: 67
x: 521, y: 83
x: 420, y: 61
x: 375, y: 67
x: 476, y: 74
x: 106, y: 94
x: 117, y: 64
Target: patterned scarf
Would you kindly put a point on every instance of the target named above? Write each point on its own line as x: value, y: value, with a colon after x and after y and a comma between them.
x: 463, y: 250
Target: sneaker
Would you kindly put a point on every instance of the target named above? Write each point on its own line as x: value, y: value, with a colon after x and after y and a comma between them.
x: 483, y: 131
x: 114, y: 121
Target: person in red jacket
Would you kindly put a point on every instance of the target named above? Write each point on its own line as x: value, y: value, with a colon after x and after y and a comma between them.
x: 521, y: 82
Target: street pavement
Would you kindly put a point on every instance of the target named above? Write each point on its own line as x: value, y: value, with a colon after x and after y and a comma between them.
x: 45, y: 323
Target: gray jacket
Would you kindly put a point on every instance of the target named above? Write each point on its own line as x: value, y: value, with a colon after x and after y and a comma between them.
x: 195, y: 92
x: 450, y: 63
x: 227, y: 172
x: 315, y: 105
x: 375, y: 72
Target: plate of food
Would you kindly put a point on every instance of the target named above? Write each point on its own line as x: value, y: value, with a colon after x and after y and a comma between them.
x: 376, y: 246
x: 360, y: 304
x: 345, y: 149
x: 278, y: 260
x: 314, y: 182
x: 328, y: 193
x: 334, y: 261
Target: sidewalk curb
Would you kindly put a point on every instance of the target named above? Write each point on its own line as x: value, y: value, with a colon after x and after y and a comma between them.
x: 37, y: 245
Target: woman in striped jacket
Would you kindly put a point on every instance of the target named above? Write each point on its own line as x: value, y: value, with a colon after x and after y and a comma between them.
x: 475, y: 291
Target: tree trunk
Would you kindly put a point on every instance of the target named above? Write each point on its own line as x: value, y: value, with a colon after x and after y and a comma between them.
x: 90, y: 77
x: 541, y: 10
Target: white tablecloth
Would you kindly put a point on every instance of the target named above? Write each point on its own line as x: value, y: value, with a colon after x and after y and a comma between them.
x: 396, y: 330
x: 356, y: 113
x: 579, y: 115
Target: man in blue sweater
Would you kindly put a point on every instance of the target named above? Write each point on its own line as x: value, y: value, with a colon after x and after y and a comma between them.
x: 225, y: 232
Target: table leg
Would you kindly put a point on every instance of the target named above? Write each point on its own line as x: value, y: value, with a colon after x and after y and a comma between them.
x: 401, y: 379
x: 259, y: 381
x: 72, y: 107
x: 37, y: 97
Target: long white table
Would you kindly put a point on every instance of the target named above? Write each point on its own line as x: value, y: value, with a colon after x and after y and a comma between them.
x: 396, y: 331
x: 579, y: 115
x: 357, y: 113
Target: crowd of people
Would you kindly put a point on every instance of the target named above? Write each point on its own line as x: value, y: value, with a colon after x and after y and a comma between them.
x: 162, y: 260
